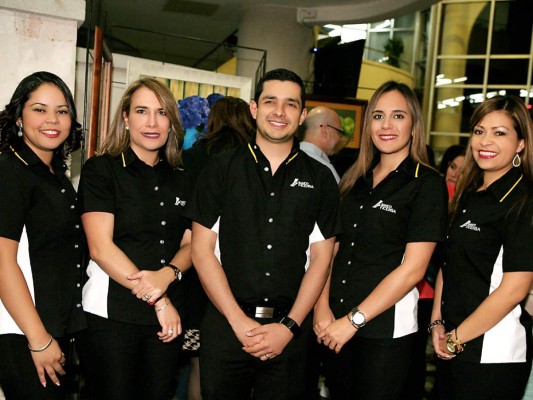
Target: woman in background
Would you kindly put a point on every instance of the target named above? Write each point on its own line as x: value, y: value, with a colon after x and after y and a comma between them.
x: 132, y: 197
x: 479, y: 327
x: 451, y: 166
x: 41, y: 240
x: 230, y: 124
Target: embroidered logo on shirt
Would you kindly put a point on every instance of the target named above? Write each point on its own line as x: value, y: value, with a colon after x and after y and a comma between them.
x: 384, y: 207
x: 301, y: 184
x: 470, y: 225
x: 180, y: 202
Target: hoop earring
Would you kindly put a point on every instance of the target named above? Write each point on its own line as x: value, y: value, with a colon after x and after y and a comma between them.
x: 20, y: 133
x: 516, y: 161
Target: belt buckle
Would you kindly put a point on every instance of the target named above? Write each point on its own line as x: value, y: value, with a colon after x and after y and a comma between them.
x: 264, y: 312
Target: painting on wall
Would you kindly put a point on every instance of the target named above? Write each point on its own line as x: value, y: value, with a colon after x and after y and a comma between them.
x: 351, y: 112
x: 184, y: 81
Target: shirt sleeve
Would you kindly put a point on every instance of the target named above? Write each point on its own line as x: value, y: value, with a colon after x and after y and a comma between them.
x: 517, y: 243
x: 13, y: 203
x: 207, y: 200
x: 96, y: 193
x: 427, y: 222
x: 328, y: 219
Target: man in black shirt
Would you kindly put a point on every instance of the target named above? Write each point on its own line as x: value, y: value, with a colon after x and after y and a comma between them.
x: 257, y: 211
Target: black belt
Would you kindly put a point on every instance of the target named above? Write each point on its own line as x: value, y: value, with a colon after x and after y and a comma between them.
x: 265, y: 310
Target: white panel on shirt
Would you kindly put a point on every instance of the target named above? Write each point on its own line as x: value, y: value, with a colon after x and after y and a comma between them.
x: 405, y: 312
x: 315, y: 236
x: 216, y: 228
x: 7, y: 324
x: 505, y: 342
x: 95, y: 291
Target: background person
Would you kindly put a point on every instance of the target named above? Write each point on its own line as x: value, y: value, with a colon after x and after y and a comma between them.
x: 323, y: 131
x: 480, y: 331
x: 256, y: 210
x: 41, y: 240
x: 230, y: 124
x: 133, y: 197
x: 393, y: 212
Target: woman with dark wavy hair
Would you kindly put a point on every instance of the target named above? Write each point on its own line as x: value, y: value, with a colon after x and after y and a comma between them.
x: 481, y: 332
x: 41, y: 240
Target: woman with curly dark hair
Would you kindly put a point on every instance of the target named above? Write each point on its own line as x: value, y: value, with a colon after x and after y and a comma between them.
x: 41, y: 240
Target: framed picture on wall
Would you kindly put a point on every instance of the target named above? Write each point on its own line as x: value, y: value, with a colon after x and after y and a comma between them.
x: 351, y: 112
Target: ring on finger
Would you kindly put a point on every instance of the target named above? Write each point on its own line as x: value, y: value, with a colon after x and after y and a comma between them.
x: 147, y: 296
x: 267, y: 356
x: 170, y: 331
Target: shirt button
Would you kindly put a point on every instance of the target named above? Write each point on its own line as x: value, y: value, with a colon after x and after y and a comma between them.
x: 78, y: 285
x: 266, y: 169
x: 361, y: 207
x: 78, y: 266
x: 353, y: 244
x: 464, y: 211
x: 266, y: 299
x: 344, y: 281
x: 269, y: 246
x: 271, y: 220
x: 72, y: 207
x: 163, y: 223
x: 76, y: 246
x: 162, y: 204
x: 77, y: 226
x: 341, y: 300
x: 63, y: 190
x: 272, y: 194
x: 354, y: 225
x: 156, y: 188
x: 78, y: 305
x: 267, y: 273
x: 349, y: 262
x: 162, y: 241
x: 163, y: 261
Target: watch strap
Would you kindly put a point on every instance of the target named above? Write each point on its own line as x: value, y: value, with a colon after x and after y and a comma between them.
x: 177, y: 272
x: 292, y: 325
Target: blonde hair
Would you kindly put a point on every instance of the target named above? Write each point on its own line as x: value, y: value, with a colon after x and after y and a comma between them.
x: 367, y: 152
x: 515, y: 109
x: 118, y: 138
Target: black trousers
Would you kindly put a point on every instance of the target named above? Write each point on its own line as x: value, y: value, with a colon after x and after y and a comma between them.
x: 369, y: 369
x: 127, y: 361
x: 18, y: 376
x: 227, y: 372
x: 466, y: 381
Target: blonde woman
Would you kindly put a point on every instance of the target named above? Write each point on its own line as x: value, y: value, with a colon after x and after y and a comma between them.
x: 133, y: 196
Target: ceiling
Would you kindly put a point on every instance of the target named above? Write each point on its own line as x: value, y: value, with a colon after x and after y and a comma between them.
x: 202, y: 34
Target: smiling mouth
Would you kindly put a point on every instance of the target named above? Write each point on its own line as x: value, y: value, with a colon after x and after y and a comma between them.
x: 151, y: 135
x: 487, y: 154
x: 50, y: 133
x: 387, y: 137
x: 278, y: 124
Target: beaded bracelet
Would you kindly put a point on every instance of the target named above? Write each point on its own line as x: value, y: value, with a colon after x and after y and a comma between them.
x: 434, y: 324
x: 163, y: 306
x: 47, y: 345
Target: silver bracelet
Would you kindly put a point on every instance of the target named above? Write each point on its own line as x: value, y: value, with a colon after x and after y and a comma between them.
x: 163, y: 306
x: 434, y: 324
x: 47, y: 345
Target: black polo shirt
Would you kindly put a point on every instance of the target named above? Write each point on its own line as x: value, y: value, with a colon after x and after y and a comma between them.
x: 148, y: 205
x: 265, y: 223
x: 38, y: 209
x: 488, y: 237
x: 409, y: 205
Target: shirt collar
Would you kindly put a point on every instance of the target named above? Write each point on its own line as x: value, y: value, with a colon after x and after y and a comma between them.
x: 503, y: 187
x: 314, y: 149
x: 407, y: 166
x: 26, y: 156
x: 256, y: 153
x: 128, y: 156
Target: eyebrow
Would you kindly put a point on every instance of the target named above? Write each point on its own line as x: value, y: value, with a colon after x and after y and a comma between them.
x: 394, y: 111
x: 46, y: 105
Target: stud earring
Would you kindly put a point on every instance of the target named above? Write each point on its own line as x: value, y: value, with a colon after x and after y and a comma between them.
x: 516, y: 161
x: 19, y: 133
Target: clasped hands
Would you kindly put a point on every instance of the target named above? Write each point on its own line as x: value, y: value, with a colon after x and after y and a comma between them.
x: 332, y: 333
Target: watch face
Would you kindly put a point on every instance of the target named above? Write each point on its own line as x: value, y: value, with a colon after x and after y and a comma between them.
x: 358, y: 318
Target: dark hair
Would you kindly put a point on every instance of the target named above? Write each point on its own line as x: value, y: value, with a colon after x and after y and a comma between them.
x: 367, y: 152
x: 517, y: 111
x: 280, y: 74
x: 13, y: 111
x: 230, y: 124
x: 451, y: 153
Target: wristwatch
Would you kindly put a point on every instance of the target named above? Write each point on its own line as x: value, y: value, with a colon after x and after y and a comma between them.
x: 357, y: 318
x: 177, y: 272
